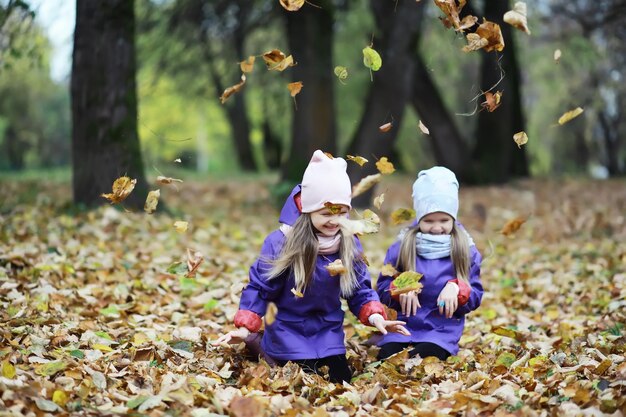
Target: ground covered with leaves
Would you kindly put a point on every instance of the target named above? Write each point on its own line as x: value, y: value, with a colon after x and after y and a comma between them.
x: 99, y: 314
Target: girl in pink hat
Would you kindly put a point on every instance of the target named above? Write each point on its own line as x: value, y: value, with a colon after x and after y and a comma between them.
x: 291, y: 272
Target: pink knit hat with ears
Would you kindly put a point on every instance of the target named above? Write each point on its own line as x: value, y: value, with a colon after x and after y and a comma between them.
x: 325, y: 181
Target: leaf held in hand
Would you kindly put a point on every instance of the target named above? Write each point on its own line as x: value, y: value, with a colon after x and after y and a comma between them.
x: 152, y: 201
x: 122, y: 187
x: 406, y: 282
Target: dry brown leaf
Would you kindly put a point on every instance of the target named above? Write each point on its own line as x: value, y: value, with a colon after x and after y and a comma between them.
x: 572, y: 114
x: 277, y: 61
x: 491, y: 31
x: 452, y: 10
x: 388, y: 270
x: 492, y: 101
x: 294, y: 88
x: 194, y: 259
x: 517, y: 17
x: 233, y: 89
x: 358, y: 159
x: 379, y: 200
x: 384, y: 166
x: 474, y: 42
x: 423, y: 128
x: 166, y: 180
x: 520, y: 138
x: 512, y: 226
x: 152, y: 201
x: 386, y: 127
x: 292, y: 5
x: 247, y: 65
x: 336, y: 268
x: 365, y: 184
x: 122, y: 187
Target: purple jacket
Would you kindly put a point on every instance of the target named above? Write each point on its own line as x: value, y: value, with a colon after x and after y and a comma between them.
x: 428, y: 325
x: 310, y: 327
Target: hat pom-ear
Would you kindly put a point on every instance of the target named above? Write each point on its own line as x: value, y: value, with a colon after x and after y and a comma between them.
x: 318, y: 156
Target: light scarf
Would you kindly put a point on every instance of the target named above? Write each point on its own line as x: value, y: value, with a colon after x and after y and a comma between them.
x: 433, y: 246
x: 327, y: 245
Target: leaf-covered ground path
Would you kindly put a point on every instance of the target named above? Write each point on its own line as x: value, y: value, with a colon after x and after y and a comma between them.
x: 92, y: 322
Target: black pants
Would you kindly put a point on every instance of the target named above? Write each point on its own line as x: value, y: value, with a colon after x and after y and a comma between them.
x: 338, y: 369
x: 424, y: 349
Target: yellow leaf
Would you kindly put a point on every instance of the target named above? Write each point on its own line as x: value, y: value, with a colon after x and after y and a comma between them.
x: 423, y: 128
x: 297, y: 293
x: 520, y: 138
x: 122, y: 187
x: 370, y: 223
x: 139, y: 339
x: 341, y: 73
x: 152, y: 201
x: 406, y: 282
x: 358, y: 159
x: 247, y: 65
x: 557, y: 55
x: 270, y: 313
x: 517, y: 17
x: 102, y: 348
x: 233, y: 89
x: 60, y: 398
x: 276, y: 60
x: 181, y: 226
x: 378, y: 201
x: 567, y: 116
x: 492, y: 100
x: 384, y: 166
x: 474, y: 42
x: 402, y: 215
x: 334, y: 208
x: 166, y: 180
x: 388, y: 270
x: 335, y: 268
x: 294, y: 88
x: 365, y: 184
x: 8, y: 370
x: 292, y: 5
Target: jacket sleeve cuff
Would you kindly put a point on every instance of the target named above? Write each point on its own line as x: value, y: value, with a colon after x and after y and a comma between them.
x: 373, y: 307
x: 392, y: 287
x: 464, y: 291
x: 248, y: 319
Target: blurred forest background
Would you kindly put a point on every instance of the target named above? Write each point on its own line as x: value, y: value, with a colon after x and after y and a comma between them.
x: 147, y: 77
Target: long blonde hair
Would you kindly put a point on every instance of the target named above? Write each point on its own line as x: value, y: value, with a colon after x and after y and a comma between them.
x: 299, y: 253
x: 459, y: 251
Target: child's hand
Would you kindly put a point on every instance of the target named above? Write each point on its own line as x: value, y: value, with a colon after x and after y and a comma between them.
x: 233, y: 337
x: 386, y: 326
x: 409, y: 303
x: 448, y: 299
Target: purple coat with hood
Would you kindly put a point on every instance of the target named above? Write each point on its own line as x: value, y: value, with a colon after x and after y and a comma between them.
x: 428, y: 325
x: 309, y: 327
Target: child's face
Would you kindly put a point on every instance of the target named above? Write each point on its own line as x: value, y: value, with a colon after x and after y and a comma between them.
x: 436, y: 224
x: 325, y: 220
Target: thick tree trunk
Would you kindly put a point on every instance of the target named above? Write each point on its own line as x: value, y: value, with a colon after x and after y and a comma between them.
x: 310, y: 34
x: 14, y: 149
x: 399, y: 25
x: 448, y: 145
x: 496, y: 157
x: 105, y: 144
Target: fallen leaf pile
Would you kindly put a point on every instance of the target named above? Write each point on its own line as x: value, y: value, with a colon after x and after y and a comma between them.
x: 101, y: 313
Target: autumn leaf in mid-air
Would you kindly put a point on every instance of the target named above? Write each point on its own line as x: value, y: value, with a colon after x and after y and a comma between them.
x: 474, y: 42
x: 278, y: 61
x: 370, y: 223
x: 294, y: 89
x: 181, y: 226
x: 194, y: 259
x: 378, y: 201
x: 270, y: 313
x: 512, y: 226
x: 452, y: 12
x: 488, y: 36
x: 358, y: 159
x: 386, y: 127
x: 492, y: 100
x: 166, y: 180
x: 247, y: 65
x: 152, y: 201
x: 336, y: 268
x: 372, y: 60
x: 233, y: 89
x: 517, y: 17
x: 341, y: 73
x: 557, y: 56
x: 520, y: 138
x: 292, y: 5
x: 423, y: 128
x: 402, y: 215
x: 567, y: 116
x: 122, y: 187
x: 365, y: 184
x: 384, y: 166
x: 334, y: 208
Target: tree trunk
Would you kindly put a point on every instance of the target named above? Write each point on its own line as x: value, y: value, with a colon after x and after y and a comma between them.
x: 399, y: 25
x: 14, y: 149
x: 105, y: 143
x: 496, y: 158
x: 310, y: 34
x: 448, y: 145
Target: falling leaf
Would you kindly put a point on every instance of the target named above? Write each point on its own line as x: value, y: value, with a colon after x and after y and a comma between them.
x: 166, y: 180
x: 297, y: 293
x: 567, y: 116
x: 384, y: 166
x: 492, y: 101
x: 122, y: 187
x: 270, y: 313
x: 512, y: 226
x: 406, y: 282
x: 520, y: 138
x: 233, y: 89
x: 276, y: 60
x: 517, y: 17
x: 341, y: 73
x: 452, y: 12
x: 488, y: 36
x: 194, y: 259
x: 358, y: 159
x: 388, y: 270
x: 423, y: 128
x: 292, y: 5
x: 370, y: 223
x: 334, y: 208
x: 402, y: 215
x: 181, y: 226
x: 386, y: 127
x: 557, y: 55
x: 365, y: 184
x: 372, y: 60
x: 335, y: 268
x: 378, y: 201
x: 474, y: 42
x: 152, y: 201
x: 247, y: 65
x: 294, y: 88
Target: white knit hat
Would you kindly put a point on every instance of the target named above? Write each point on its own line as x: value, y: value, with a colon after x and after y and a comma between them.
x: 435, y: 189
x: 325, y: 181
